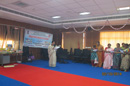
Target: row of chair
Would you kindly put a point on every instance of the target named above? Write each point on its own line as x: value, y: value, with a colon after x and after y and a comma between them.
x: 62, y: 55
x: 78, y: 55
x: 82, y: 55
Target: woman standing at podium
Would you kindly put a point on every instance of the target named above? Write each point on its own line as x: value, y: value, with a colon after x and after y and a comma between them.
x: 52, y: 55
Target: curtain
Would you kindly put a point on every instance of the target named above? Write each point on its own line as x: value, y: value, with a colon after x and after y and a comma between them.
x: 114, y: 37
x: 3, y: 32
x: 21, y: 38
x: 84, y: 40
x: 16, y: 39
x: 72, y: 40
x: 11, y: 35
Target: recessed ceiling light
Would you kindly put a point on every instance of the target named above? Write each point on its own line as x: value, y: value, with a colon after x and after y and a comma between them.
x: 84, y: 13
x: 55, y: 17
x: 124, y: 8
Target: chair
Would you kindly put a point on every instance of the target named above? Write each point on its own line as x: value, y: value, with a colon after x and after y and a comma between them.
x: 44, y: 54
x: 70, y: 54
x: 25, y: 54
x: 86, y: 56
x: 66, y: 53
x: 77, y: 55
x: 61, y: 55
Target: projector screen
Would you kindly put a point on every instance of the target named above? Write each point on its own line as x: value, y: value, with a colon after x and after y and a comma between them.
x: 37, y: 39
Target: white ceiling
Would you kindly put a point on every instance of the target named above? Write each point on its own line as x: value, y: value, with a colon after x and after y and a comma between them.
x: 67, y: 9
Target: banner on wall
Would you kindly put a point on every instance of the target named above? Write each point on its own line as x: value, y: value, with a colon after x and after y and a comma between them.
x: 37, y: 39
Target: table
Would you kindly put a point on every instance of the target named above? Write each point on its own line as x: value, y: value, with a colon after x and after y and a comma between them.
x: 6, y: 57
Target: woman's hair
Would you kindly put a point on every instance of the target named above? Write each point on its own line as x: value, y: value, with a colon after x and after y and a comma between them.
x: 9, y: 45
x: 52, y: 41
x: 109, y: 44
x: 98, y: 42
x: 118, y: 44
x: 127, y: 45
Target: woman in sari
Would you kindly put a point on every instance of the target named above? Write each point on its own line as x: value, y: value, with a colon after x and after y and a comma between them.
x: 52, y: 55
x: 117, y: 57
x: 94, y: 57
x: 125, y: 62
x: 108, y: 57
x: 100, y: 54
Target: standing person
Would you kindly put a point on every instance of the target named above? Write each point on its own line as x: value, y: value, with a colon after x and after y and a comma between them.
x: 100, y: 54
x: 117, y: 57
x: 108, y: 57
x: 94, y: 57
x: 125, y: 62
x: 123, y: 46
x: 52, y: 55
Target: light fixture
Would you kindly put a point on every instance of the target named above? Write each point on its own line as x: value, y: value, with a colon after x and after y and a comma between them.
x: 55, y: 17
x: 124, y: 8
x: 84, y: 13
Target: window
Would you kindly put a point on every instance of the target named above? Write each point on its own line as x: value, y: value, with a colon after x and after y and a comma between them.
x: 4, y: 43
x: 114, y: 37
x: 1, y: 43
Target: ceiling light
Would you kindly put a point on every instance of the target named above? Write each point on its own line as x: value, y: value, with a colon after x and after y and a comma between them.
x: 55, y: 17
x: 84, y: 13
x: 124, y: 8
x: 20, y: 4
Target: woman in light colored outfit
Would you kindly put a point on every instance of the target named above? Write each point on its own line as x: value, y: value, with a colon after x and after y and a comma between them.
x: 108, y: 57
x: 52, y: 55
x: 125, y: 63
x: 117, y: 57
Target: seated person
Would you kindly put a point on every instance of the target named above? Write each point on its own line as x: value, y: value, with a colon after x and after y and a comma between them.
x: 61, y: 55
